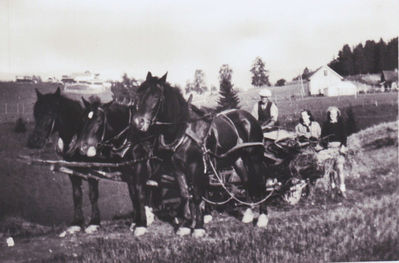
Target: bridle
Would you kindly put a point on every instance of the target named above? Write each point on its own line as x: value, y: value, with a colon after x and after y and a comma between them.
x: 109, y: 141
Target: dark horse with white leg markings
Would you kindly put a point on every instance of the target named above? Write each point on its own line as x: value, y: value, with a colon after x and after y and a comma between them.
x: 55, y: 113
x: 233, y: 138
x: 107, y: 130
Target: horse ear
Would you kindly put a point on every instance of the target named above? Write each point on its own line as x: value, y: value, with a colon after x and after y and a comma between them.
x: 149, y: 76
x: 38, y: 94
x: 58, y: 92
x: 190, y: 99
x: 85, y: 102
x: 163, y: 79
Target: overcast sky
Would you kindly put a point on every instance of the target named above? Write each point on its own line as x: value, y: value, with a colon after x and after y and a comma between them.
x: 113, y: 37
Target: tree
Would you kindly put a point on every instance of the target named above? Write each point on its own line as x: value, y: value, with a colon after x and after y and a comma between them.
x: 346, y: 58
x: 380, y: 56
x: 359, y: 60
x: 392, y: 54
x: 280, y: 82
x: 198, y: 84
x: 124, y: 90
x: 305, y: 74
x: 260, y: 76
x: 369, y: 51
x: 228, y: 96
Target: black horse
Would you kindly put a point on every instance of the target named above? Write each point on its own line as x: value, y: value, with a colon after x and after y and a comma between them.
x: 107, y: 133
x: 55, y: 113
x: 185, y: 137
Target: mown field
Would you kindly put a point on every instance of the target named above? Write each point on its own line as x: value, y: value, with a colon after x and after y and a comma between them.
x: 365, y: 226
x: 36, y: 204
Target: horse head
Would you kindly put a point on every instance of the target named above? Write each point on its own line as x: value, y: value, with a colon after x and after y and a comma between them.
x: 95, y: 127
x: 45, y: 112
x: 150, y: 97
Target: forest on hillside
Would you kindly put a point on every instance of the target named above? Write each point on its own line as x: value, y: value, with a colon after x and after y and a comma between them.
x: 372, y: 57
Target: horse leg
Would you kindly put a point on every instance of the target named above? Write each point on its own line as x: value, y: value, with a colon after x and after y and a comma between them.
x: 78, y: 219
x: 94, y: 223
x: 239, y: 167
x: 136, y: 192
x: 185, y: 207
x: 256, y: 184
x: 207, y: 210
x: 200, y: 182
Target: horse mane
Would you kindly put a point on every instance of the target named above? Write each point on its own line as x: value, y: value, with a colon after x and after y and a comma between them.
x: 180, y: 107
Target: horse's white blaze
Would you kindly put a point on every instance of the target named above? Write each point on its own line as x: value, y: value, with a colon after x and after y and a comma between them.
x: 183, y: 231
x: 90, y: 115
x: 207, y: 219
x: 91, y: 152
x: 263, y: 220
x: 248, y: 216
x: 92, y: 229
x: 149, y: 215
x: 199, y: 233
x: 139, y: 231
x: 60, y: 144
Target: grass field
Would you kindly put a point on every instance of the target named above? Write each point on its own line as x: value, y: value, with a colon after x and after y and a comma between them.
x: 36, y: 204
x: 365, y: 226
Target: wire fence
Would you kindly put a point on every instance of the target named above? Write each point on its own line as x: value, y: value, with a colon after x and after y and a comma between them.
x: 10, y: 112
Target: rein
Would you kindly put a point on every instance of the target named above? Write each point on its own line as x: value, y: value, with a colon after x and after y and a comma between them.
x: 108, y: 142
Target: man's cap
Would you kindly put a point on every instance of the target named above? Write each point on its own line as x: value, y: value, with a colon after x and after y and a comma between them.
x: 265, y: 93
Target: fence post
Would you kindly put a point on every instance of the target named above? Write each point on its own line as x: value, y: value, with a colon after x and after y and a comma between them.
x: 5, y: 108
x: 17, y: 108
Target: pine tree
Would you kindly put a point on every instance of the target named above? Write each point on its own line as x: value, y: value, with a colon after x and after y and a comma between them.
x: 380, y: 56
x: 347, y: 60
x: 369, y: 51
x: 228, y: 96
x: 260, y: 76
x: 359, y: 60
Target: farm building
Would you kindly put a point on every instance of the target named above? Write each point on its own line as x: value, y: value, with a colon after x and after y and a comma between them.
x: 24, y: 79
x: 327, y: 82
x: 85, y: 82
x: 321, y: 79
x: 389, y: 79
x: 342, y: 88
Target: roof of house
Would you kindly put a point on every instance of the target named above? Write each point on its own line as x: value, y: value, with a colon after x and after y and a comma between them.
x: 390, y: 75
x: 319, y: 68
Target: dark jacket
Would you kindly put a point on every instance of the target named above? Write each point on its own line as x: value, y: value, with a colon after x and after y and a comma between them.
x: 333, y: 132
x: 264, y: 114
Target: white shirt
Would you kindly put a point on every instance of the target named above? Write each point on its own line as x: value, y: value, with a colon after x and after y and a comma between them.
x: 273, y: 111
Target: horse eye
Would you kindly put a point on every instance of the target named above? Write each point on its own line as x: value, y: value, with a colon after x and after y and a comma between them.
x: 90, y: 115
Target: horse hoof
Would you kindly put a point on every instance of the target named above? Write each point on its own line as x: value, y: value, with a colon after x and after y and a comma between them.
x: 149, y: 215
x: 139, y: 231
x: 92, y: 229
x: 183, y: 231
x: 199, y: 233
x: 263, y: 220
x: 207, y: 219
x: 248, y: 216
x: 132, y: 226
x: 70, y: 230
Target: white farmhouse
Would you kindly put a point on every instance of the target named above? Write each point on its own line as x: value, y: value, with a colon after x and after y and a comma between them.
x: 322, y: 78
x: 325, y: 81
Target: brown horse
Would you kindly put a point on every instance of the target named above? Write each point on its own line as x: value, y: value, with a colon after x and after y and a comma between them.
x: 231, y: 138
